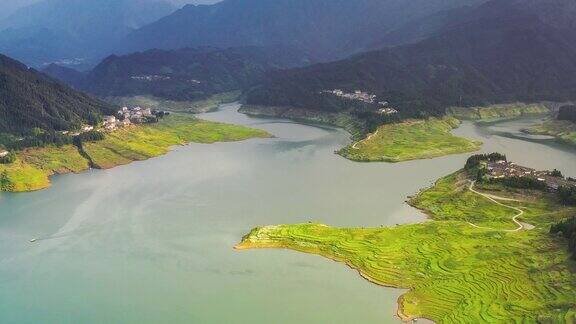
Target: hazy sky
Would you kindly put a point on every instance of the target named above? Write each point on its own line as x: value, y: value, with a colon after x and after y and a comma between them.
x: 7, y: 7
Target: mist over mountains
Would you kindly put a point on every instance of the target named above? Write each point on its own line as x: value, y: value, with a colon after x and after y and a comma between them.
x: 68, y: 31
x: 324, y: 29
x: 87, y: 30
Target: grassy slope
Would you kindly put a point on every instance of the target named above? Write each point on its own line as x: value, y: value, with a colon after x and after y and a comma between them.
x: 140, y: 143
x: 411, y: 140
x: 564, y: 131
x: 34, y: 166
x: 456, y: 273
x: 505, y: 111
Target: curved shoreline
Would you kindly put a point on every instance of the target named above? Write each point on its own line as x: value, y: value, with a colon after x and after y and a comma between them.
x: 400, y: 308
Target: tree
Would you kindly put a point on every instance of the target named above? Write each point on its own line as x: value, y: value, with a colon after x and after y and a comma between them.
x: 556, y: 173
x: 5, y: 182
x: 8, y: 159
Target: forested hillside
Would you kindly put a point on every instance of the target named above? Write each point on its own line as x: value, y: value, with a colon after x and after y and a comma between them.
x: 502, y: 51
x: 184, y: 74
x: 324, y: 29
x: 30, y: 99
x: 567, y: 112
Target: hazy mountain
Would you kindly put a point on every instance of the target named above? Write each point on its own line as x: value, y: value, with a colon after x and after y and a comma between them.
x: 504, y: 50
x: 65, y: 74
x: 8, y: 7
x: 184, y: 74
x: 31, y: 99
x: 58, y: 30
x: 182, y: 3
x: 325, y: 29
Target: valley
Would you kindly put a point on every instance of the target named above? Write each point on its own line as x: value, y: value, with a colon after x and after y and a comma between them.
x: 93, y: 213
x: 209, y: 161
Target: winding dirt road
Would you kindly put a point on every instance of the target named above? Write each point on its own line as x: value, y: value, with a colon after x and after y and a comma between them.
x: 495, y: 199
x: 355, y: 146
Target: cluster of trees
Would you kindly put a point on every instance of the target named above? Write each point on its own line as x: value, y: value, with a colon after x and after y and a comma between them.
x: 8, y: 159
x: 567, y: 195
x: 40, y: 138
x: 567, y: 228
x: 567, y: 113
x: 557, y: 173
x: 91, y: 136
x: 521, y: 183
x: 473, y: 164
x: 475, y: 160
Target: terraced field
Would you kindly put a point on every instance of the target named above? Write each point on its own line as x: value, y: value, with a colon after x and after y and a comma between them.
x: 456, y: 273
x: 410, y: 140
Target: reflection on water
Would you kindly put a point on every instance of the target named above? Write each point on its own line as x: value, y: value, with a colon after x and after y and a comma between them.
x: 152, y: 241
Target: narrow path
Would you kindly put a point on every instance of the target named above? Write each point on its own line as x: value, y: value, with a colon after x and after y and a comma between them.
x: 355, y: 146
x: 493, y: 198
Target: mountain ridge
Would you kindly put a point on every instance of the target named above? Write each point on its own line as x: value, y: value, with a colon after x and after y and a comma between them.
x: 30, y: 99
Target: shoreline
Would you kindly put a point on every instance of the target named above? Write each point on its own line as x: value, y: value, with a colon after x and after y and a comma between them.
x: 242, y: 246
x: 318, y: 239
x: 35, y: 167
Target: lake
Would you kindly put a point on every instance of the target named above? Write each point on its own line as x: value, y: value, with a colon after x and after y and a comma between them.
x: 152, y: 241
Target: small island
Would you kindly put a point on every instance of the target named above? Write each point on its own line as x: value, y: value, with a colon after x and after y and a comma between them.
x: 116, y: 143
x: 496, y: 250
x: 410, y: 140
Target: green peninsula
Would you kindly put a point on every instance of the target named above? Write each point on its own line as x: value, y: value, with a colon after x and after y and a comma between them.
x: 34, y: 166
x: 470, y: 264
x: 563, y: 130
x: 410, y: 140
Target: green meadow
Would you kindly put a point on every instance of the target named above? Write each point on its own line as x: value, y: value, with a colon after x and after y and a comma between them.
x: 455, y: 273
x: 410, y: 140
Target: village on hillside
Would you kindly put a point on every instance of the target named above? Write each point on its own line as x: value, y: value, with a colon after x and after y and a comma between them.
x: 124, y: 117
x: 364, y: 97
x: 505, y: 169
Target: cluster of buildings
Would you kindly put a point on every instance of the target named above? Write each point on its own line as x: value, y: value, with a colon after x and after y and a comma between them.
x: 387, y: 111
x: 358, y: 95
x: 150, y: 78
x: 157, y: 77
x: 505, y: 169
x: 365, y: 97
x: 128, y: 116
